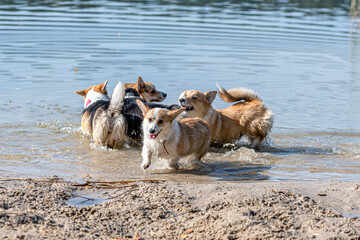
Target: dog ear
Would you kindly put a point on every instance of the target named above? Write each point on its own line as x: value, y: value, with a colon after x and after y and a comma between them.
x: 129, y: 85
x: 103, y: 87
x: 140, y: 83
x: 100, y: 88
x: 81, y: 93
x: 174, y: 113
x: 144, y: 109
x: 210, y: 96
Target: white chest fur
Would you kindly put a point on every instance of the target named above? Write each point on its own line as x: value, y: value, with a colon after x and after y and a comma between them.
x: 164, y: 146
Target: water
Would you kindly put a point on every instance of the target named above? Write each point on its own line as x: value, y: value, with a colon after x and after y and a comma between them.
x: 301, y: 57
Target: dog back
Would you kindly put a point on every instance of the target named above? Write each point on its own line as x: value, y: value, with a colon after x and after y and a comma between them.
x: 195, y: 136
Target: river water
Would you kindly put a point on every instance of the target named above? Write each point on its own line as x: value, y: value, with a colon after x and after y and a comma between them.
x: 301, y: 57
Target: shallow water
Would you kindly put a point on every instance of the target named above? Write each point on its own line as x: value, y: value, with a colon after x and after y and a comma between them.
x: 303, y: 59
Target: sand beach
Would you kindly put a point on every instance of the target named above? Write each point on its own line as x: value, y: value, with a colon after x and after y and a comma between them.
x: 40, y: 209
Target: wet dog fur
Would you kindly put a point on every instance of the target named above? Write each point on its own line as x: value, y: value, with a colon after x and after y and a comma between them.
x: 102, y: 117
x: 247, y: 117
x: 134, y: 115
x: 167, y: 138
x: 147, y: 91
x: 96, y: 102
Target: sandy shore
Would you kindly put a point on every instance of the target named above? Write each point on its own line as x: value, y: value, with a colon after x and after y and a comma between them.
x: 164, y: 210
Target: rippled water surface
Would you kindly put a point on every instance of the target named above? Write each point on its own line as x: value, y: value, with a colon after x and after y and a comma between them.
x: 301, y: 57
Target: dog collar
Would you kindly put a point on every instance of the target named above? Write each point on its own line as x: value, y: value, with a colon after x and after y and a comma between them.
x: 165, y: 147
x: 92, y: 97
x: 87, y: 103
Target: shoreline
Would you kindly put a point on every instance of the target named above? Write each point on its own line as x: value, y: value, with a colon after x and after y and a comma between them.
x: 152, y: 210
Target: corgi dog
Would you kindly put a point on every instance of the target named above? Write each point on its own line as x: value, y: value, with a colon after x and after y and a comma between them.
x: 167, y: 138
x: 102, y: 116
x: 147, y: 91
x: 124, y: 108
x: 247, y: 117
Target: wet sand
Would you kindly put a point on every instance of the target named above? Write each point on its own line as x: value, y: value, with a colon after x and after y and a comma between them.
x: 166, y: 210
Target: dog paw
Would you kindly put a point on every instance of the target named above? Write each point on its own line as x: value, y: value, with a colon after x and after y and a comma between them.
x: 174, y: 166
x: 197, y: 164
x: 145, y: 165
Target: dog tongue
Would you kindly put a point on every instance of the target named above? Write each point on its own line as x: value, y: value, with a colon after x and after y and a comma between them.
x: 153, y: 136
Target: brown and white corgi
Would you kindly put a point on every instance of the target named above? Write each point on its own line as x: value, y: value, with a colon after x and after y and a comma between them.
x: 247, y: 117
x: 97, y: 106
x: 147, y: 91
x: 167, y: 138
x: 102, y: 117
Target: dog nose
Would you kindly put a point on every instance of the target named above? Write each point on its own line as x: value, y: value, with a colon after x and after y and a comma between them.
x: 164, y: 94
x: 181, y: 99
x: 151, y: 130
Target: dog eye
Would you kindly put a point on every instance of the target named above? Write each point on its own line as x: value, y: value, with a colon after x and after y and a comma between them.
x: 153, y: 92
x: 160, y: 121
x: 149, y: 119
x: 194, y: 97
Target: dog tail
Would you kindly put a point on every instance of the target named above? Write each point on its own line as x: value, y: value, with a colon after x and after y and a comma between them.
x: 111, y: 129
x: 237, y: 94
x: 117, y: 99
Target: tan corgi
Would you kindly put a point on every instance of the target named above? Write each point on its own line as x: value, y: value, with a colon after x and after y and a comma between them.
x: 147, y: 91
x: 247, y: 117
x: 102, y: 117
x: 167, y: 138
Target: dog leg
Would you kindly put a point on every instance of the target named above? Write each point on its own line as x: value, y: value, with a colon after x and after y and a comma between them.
x: 254, y: 143
x: 196, y: 163
x: 146, y: 156
x: 173, y: 163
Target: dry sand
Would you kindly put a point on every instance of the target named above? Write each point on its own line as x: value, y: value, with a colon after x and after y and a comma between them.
x: 164, y: 210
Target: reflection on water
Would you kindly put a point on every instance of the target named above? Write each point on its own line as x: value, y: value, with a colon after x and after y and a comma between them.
x: 302, y: 57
